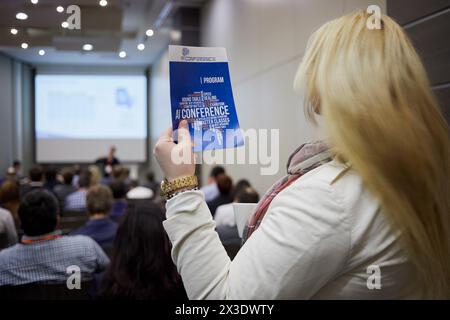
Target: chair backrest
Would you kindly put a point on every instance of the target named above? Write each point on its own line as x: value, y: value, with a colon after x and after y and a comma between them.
x: 67, y: 224
x: 43, y: 291
x: 73, y: 213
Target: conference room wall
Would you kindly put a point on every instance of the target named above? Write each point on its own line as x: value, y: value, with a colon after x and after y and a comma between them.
x: 15, y: 113
x: 265, y: 41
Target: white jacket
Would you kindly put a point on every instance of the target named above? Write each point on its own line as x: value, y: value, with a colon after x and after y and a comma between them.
x: 320, y: 239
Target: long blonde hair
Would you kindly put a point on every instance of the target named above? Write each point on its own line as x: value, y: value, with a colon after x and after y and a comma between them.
x: 381, y: 116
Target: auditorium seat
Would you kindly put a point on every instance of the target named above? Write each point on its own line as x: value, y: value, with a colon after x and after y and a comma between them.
x: 43, y: 291
x: 68, y: 224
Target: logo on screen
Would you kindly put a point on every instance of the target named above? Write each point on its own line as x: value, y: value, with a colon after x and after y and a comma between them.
x: 185, y: 51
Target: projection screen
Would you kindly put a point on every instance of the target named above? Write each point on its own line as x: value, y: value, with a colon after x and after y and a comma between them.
x: 79, y: 117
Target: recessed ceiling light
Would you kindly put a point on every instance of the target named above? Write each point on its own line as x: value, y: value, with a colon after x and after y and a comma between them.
x: 41, y: 52
x: 88, y: 47
x: 103, y: 3
x: 122, y: 54
x: 14, y: 31
x: 21, y: 16
x: 34, y: 1
x: 59, y: 9
x: 149, y: 33
x: 141, y: 46
x: 24, y: 45
x: 65, y: 24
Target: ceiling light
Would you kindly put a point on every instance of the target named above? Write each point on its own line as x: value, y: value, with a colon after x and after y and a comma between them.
x: 103, y: 3
x: 59, y: 9
x: 21, y: 16
x: 24, y: 45
x: 122, y: 54
x: 41, y: 52
x: 65, y: 24
x: 149, y: 32
x: 88, y: 47
x: 14, y: 31
x: 34, y: 1
x: 141, y: 46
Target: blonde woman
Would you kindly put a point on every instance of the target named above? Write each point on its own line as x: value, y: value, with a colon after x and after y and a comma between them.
x: 371, y: 223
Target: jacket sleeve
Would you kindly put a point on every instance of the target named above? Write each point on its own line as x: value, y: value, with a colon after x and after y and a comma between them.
x: 301, y: 244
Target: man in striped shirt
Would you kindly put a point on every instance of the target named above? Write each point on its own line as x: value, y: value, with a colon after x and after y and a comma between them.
x: 43, y: 255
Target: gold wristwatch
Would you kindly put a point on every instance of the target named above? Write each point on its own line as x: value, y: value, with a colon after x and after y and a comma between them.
x: 169, y: 188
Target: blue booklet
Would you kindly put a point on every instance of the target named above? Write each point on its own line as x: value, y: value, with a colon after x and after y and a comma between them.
x: 201, y: 93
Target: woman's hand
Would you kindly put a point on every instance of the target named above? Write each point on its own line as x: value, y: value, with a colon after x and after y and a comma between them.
x: 175, y: 160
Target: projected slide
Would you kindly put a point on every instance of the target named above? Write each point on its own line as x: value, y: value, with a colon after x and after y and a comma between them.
x: 78, y: 117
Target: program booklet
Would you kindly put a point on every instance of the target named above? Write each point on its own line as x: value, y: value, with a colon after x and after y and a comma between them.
x: 201, y: 93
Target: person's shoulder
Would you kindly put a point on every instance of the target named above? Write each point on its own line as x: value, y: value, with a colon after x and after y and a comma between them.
x: 7, y: 253
x: 77, y: 239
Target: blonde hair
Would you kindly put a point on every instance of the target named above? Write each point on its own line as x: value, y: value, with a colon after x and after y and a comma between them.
x: 382, y: 118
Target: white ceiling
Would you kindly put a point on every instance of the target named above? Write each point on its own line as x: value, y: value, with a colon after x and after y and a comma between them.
x: 119, y: 26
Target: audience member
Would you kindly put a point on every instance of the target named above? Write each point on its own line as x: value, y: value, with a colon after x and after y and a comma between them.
x: 119, y: 192
x: 35, y: 177
x: 10, y: 198
x: 8, y: 233
x: 140, y: 193
x: 77, y: 201
x: 242, y: 193
x: 76, y: 175
x: 151, y: 183
x: 225, y: 186
x: 210, y: 190
x: 141, y: 266
x: 51, y: 180
x: 63, y: 190
x: 96, y: 175
x: 100, y: 227
x: 43, y: 254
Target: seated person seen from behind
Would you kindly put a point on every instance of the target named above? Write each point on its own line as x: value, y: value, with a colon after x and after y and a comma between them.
x: 63, y: 190
x: 225, y: 186
x: 210, y: 190
x: 241, y: 194
x: 35, y: 180
x: 43, y: 254
x: 141, y: 266
x: 119, y: 192
x: 76, y: 201
x: 100, y: 227
x: 51, y: 179
x: 10, y: 199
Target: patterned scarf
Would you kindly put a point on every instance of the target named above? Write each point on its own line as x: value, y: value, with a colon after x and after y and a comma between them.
x: 306, y: 158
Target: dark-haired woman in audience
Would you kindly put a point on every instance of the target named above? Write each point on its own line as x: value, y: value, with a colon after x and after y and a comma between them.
x: 141, y: 267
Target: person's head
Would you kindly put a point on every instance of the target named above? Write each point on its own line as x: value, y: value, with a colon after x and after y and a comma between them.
x: 96, y: 175
x: 150, y: 176
x: 141, y: 266
x: 99, y: 200
x: 84, y: 180
x: 50, y: 174
x: 10, y: 193
x: 36, y: 174
x: 112, y: 151
x: 247, y: 195
x: 67, y: 175
x: 17, y: 165
x: 382, y: 118
x: 38, y: 213
x: 224, y: 184
x: 241, y: 184
x: 119, y: 189
x: 215, y: 173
